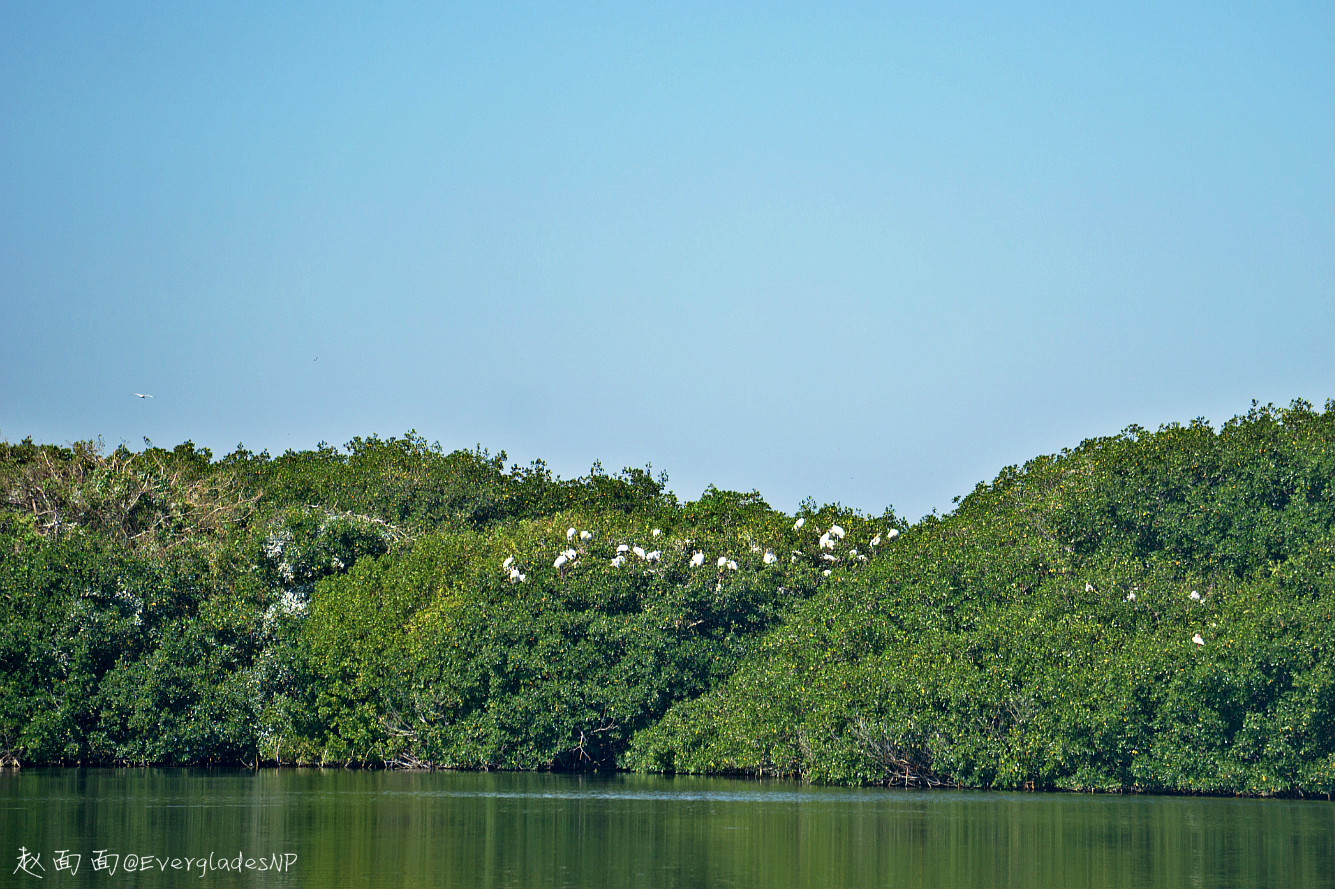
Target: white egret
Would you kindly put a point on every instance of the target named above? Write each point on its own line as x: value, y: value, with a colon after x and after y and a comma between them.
x: 639, y: 551
x: 570, y: 533
x: 510, y: 560
x: 1131, y: 596
x: 570, y: 554
x: 141, y: 395
x: 514, y: 575
x: 826, y: 572
x: 732, y: 566
x: 826, y: 542
x: 876, y: 541
x: 657, y: 531
x: 1197, y: 639
x: 1089, y: 587
x: 797, y: 525
x: 618, y: 561
x: 837, y: 531
x: 723, y: 561
x: 697, y: 560
x: 623, y: 548
x: 585, y: 536
x: 560, y: 562
x: 892, y: 534
x: 653, y: 556
x: 770, y: 558
x: 1195, y: 595
x: 829, y: 557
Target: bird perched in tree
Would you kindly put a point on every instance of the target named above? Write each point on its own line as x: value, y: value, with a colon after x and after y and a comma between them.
x: 797, y: 525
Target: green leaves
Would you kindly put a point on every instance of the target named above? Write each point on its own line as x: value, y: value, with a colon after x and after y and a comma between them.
x: 1151, y: 610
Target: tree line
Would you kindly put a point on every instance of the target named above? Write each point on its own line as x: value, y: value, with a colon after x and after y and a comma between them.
x: 1153, y: 610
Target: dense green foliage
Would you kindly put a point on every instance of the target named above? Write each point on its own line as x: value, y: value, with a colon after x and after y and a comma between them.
x: 1151, y: 610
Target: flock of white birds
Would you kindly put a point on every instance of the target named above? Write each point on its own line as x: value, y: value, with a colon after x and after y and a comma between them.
x: 828, y: 542
x: 569, y: 557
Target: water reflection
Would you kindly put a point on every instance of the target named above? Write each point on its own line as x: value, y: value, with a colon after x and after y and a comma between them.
x: 468, y: 829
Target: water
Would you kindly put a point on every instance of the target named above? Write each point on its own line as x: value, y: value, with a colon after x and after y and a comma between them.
x: 406, y: 829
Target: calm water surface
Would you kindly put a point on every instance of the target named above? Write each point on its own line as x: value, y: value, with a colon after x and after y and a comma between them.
x: 465, y: 829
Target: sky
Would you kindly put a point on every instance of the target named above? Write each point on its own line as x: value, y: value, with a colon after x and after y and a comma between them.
x: 866, y: 253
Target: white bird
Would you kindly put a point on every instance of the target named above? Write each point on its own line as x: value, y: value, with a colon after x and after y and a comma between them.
x: 876, y: 541
x: 618, y: 561
x: 1089, y: 587
x: 510, y: 560
x: 570, y: 554
x: 829, y: 557
x: 657, y: 531
x: 732, y: 566
x: 770, y: 558
x: 585, y: 536
x: 697, y: 560
x: 826, y: 542
x: 515, y: 575
x: 623, y: 548
x: 723, y: 561
x: 826, y: 572
x: 797, y: 525
x: 141, y: 395
x: 639, y: 551
x: 570, y: 533
x: 892, y: 534
x: 1195, y: 595
x: 853, y: 552
x: 837, y: 531
x: 560, y: 562
x: 653, y: 556
x: 1197, y: 639
x: 523, y: 578
x: 1131, y: 596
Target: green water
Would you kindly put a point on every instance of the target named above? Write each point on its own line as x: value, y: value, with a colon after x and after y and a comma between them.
x: 466, y: 829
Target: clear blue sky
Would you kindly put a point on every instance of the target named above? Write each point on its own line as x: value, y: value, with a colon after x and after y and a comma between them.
x: 864, y: 252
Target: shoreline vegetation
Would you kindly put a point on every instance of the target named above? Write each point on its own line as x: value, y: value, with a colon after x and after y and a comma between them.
x: 1145, y: 612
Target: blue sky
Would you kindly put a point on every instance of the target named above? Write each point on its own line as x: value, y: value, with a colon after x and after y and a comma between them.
x: 867, y: 253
